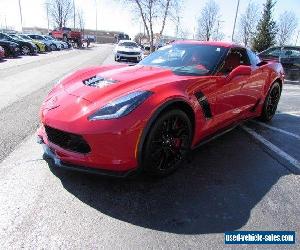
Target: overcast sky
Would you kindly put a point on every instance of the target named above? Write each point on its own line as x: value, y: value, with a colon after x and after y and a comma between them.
x: 114, y: 16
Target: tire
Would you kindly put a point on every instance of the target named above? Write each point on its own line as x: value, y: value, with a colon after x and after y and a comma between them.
x: 271, y: 102
x: 53, y: 47
x: 25, y: 50
x: 6, y: 51
x: 167, y: 143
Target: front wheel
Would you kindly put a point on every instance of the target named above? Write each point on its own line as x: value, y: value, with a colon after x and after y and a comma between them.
x: 167, y: 144
x: 53, y: 47
x: 25, y: 50
x: 271, y: 102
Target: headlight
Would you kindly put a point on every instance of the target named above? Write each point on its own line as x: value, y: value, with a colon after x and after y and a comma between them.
x: 121, y: 106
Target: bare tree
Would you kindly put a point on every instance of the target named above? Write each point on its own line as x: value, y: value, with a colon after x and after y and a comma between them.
x: 60, y: 11
x: 218, y: 35
x: 208, y: 20
x: 80, y: 20
x: 287, y: 26
x: 154, y: 14
x: 247, y: 23
x: 139, y: 37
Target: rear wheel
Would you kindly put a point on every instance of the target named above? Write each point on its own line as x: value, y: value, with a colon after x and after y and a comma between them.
x: 271, y: 102
x: 167, y: 144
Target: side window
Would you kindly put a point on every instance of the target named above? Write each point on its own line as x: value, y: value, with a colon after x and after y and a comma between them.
x: 254, y: 59
x: 235, y: 58
x: 1, y: 36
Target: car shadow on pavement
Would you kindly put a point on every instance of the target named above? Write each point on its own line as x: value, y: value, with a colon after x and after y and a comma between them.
x: 213, y: 193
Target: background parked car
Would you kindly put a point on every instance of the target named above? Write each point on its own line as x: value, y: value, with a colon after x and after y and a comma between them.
x: 63, y: 44
x: 10, y: 48
x: 289, y: 56
x: 53, y: 45
x: 128, y: 50
x: 40, y: 45
x: 2, y: 54
x: 26, y: 47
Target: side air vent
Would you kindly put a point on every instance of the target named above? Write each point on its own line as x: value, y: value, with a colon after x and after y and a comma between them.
x: 204, y: 104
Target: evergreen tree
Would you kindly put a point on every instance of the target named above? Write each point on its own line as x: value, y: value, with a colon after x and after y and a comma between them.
x: 266, y: 29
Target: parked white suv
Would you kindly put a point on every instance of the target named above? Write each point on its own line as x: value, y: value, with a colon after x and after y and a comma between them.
x: 128, y: 50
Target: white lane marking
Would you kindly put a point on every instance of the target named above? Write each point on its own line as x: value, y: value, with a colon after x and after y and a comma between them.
x: 292, y: 81
x: 294, y: 113
x: 277, y: 129
x: 272, y: 147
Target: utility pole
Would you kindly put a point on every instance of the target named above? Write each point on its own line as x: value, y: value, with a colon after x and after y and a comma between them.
x: 96, y: 21
x: 5, y: 22
x: 20, y: 8
x: 236, y: 13
x: 177, y: 26
x: 47, y: 6
x: 74, y: 14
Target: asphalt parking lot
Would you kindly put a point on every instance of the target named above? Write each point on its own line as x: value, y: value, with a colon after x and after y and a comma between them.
x: 248, y: 179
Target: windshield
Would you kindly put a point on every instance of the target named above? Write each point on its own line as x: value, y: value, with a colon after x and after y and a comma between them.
x: 186, y: 59
x: 128, y: 44
x: 25, y: 37
x: 40, y: 37
x: 17, y: 37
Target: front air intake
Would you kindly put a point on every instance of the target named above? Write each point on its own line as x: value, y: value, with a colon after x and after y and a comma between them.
x: 68, y: 141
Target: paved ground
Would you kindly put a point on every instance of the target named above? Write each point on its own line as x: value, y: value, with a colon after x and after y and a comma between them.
x: 246, y: 180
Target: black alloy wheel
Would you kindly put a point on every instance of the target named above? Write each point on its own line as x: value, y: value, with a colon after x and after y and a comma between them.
x: 271, y: 102
x: 167, y: 143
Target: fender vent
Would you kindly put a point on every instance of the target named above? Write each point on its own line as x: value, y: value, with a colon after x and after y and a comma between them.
x: 98, y: 81
x: 204, y: 104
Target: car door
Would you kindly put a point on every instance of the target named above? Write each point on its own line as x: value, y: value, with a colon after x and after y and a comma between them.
x: 250, y: 93
x: 229, y: 102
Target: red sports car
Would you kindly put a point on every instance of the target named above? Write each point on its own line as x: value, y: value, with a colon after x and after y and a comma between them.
x: 120, y: 119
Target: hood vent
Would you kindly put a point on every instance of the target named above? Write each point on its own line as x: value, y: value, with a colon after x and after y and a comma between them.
x: 98, y: 82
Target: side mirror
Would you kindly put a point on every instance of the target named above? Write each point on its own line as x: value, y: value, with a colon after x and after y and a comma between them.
x: 241, y: 70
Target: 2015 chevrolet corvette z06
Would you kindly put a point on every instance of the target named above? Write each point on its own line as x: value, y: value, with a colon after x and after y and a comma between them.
x: 119, y: 119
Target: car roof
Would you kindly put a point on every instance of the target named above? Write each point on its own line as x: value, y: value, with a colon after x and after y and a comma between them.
x: 212, y: 43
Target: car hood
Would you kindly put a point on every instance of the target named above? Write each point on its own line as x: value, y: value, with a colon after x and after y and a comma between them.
x: 5, y: 42
x: 109, y: 82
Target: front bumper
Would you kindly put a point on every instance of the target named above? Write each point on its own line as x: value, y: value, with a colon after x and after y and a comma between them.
x: 56, y: 162
x: 121, y: 56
